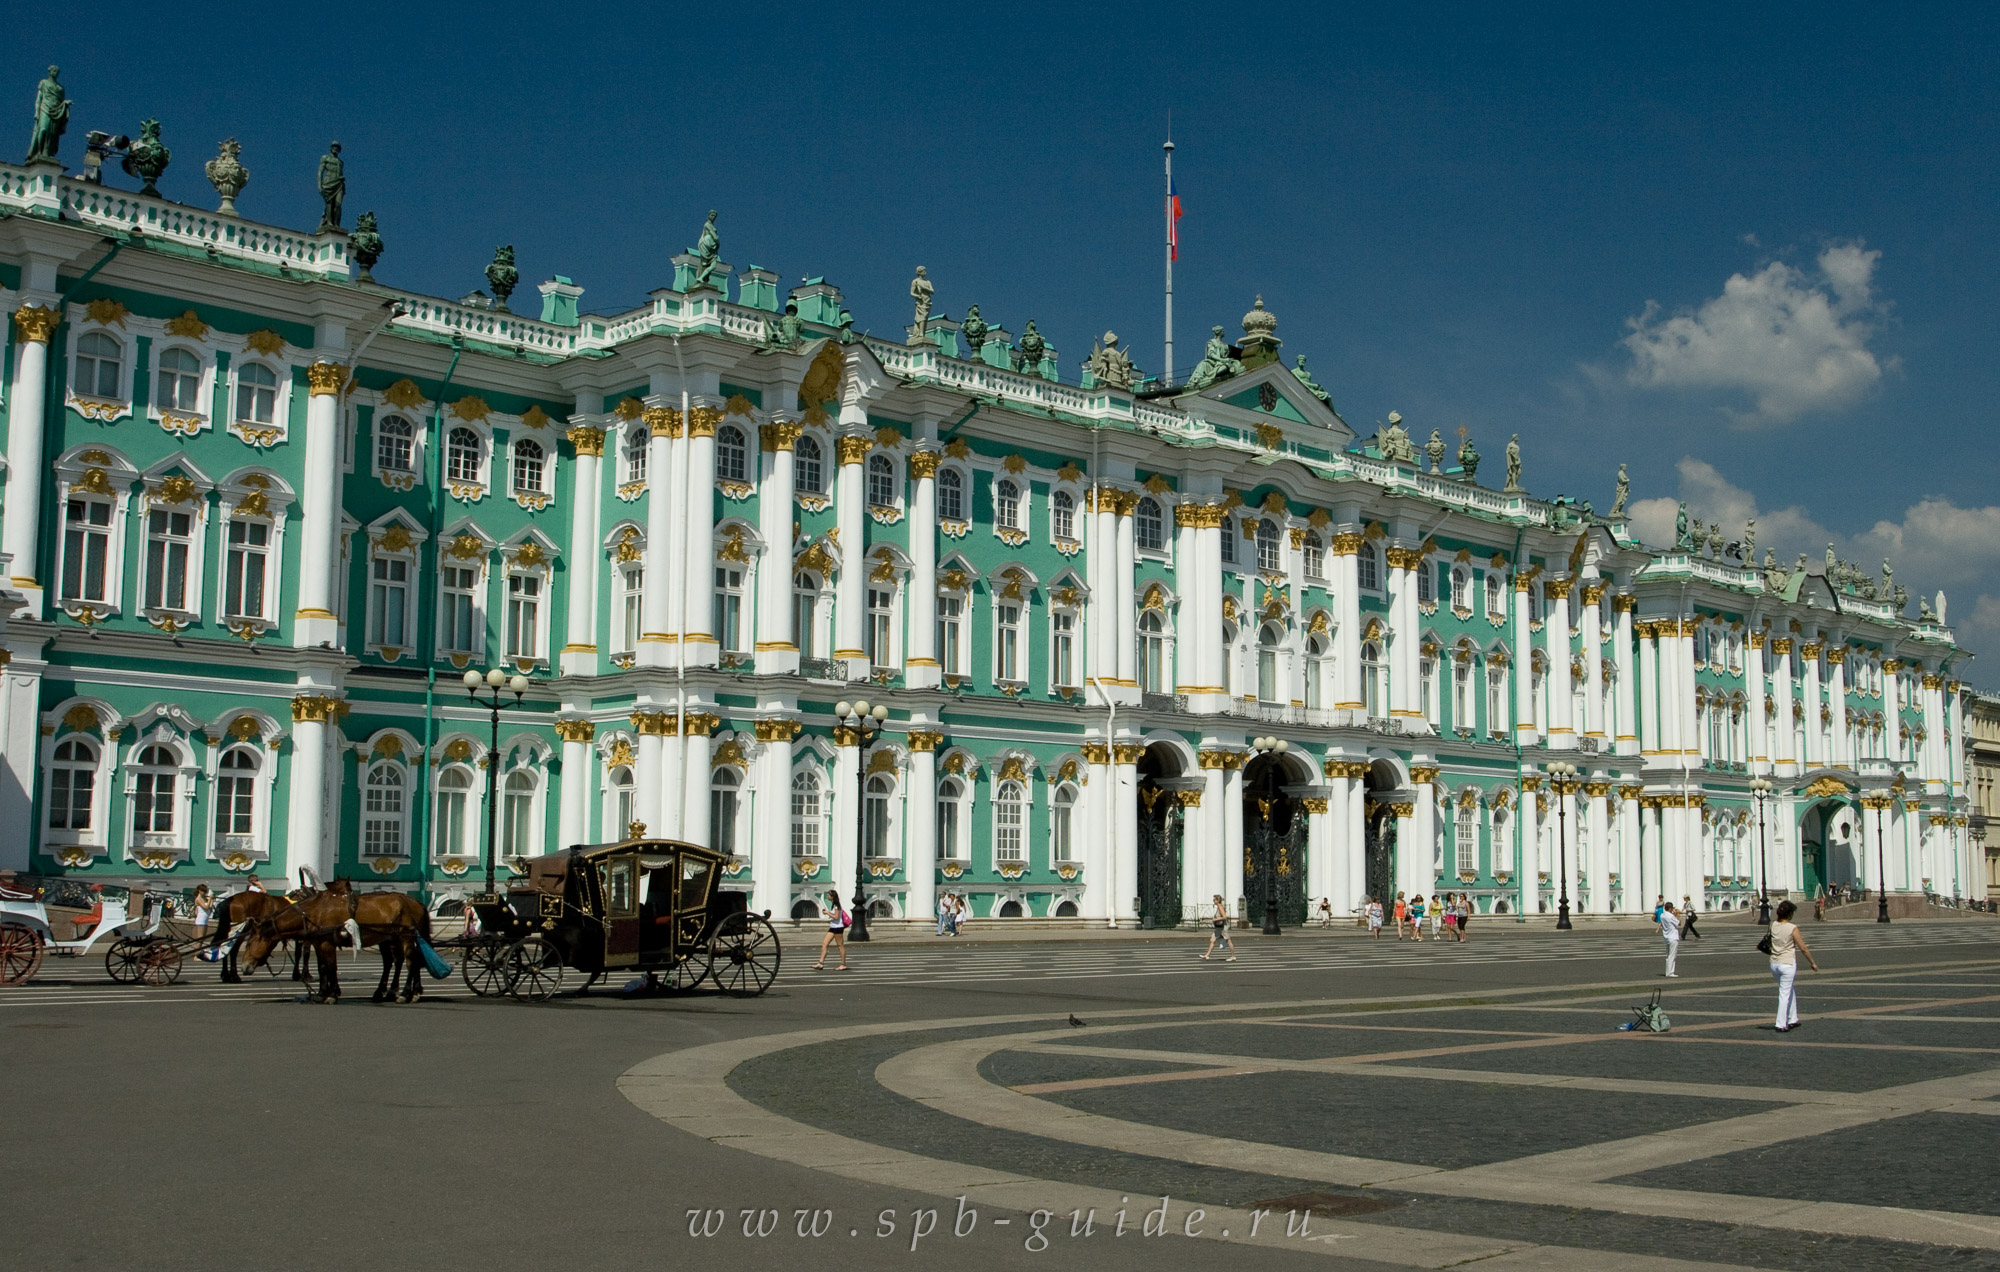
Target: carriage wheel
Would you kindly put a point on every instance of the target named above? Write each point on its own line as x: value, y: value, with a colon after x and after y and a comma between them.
x: 122, y: 961
x: 746, y: 955
x: 688, y: 974
x: 535, y: 968
x: 160, y: 963
x: 484, y: 968
x: 20, y: 953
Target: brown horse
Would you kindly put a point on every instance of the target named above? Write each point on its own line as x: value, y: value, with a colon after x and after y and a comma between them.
x: 234, y: 911
x: 392, y: 920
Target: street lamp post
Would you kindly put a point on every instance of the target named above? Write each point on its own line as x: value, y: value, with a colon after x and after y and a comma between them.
x: 1881, y: 864
x: 493, y: 682
x: 1760, y: 790
x: 1563, y: 778
x: 865, y: 721
x: 1269, y: 835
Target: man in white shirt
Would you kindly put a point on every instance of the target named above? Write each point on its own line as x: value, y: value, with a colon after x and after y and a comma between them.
x: 1670, y: 929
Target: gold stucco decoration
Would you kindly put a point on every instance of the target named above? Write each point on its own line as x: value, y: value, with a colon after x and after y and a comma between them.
x: 189, y: 326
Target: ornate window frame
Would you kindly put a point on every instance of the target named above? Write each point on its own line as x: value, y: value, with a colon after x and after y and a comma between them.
x: 460, y: 489
x: 98, y: 727
x: 177, y: 420
x: 251, y: 495
x: 393, y: 539
x: 537, y: 495
x: 103, y: 475
x: 464, y: 546
x: 89, y: 405
x: 158, y: 849
x: 260, y: 434
x: 528, y: 554
x: 174, y: 485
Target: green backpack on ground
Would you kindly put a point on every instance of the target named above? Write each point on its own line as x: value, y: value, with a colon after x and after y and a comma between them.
x: 1650, y: 1017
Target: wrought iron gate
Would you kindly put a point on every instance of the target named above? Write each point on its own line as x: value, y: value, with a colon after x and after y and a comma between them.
x: 1160, y: 866
x: 1284, y: 855
x: 1381, y: 864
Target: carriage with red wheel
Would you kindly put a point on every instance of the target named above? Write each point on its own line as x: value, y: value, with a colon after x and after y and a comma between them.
x: 653, y: 907
x: 145, y: 949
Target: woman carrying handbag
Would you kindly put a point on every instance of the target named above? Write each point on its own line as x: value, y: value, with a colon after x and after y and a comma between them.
x: 836, y: 933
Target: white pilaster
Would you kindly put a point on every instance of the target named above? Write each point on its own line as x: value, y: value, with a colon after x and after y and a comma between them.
x: 1588, y: 629
x: 314, y: 624
x: 1125, y: 879
x: 1127, y: 606
x: 775, y: 652
x: 698, y: 538
x: 920, y: 807
x: 1631, y: 873
x: 696, y: 748
x: 579, y: 650
x: 922, y: 668
x: 663, y: 554
x: 770, y: 854
x: 1529, y: 827
x: 1561, y: 683
x: 1784, y: 762
x: 27, y: 407
x: 573, y: 815
x: 843, y: 845
x: 1597, y: 843
x: 649, y: 793
x: 1627, y: 742
x: 1232, y: 833
x: 1525, y: 733
x: 1836, y: 692
x: 850, y: 605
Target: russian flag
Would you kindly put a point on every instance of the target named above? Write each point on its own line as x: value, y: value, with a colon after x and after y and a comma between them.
x: 1173, y: 222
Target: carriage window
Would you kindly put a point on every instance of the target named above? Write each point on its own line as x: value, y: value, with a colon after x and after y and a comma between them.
x: 694, y: 883
x: 620, y: 898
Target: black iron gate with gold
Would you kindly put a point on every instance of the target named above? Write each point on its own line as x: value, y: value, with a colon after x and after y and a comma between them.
x: 1159, y: 879
x: 1274, y: 864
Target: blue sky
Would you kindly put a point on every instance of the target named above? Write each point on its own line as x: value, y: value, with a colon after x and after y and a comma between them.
x: 1753, y: 256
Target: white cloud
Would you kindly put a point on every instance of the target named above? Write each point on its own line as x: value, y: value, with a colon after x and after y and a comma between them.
x: 1935, y: 546
x: 1790, y: 341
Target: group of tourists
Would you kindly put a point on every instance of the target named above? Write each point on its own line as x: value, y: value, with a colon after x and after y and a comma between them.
x: 1783, y: 943
x: 951, y: 913
x: 1449, y: 916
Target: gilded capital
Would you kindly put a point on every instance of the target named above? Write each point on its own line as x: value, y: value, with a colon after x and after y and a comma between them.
x: 1557, y: 589
x: 1126, y: 753
x: 587, y: 440
x: 34, y: 324
x: 1593, y: 593
x: 312, y: 708
x: 1933, y: 682
x: 1812, y: 649
x: 779, y: 729
x: 1781, y: 646
x: 1756, y: 640
x: 654, y: 724
x: 575, y: 730
x: 924, y: 464
x: 702, y: 421
x: 323, y: 378
x: 852, y: 449
x: 1836, y: 656
x: 663, y: 421
x: 844, y: 735
x: 1095, y: 753
x: 1597, y: 790
x: 780, y: 436
x: 925, y: 740
x: 1346, y: 544
x: 1403, y: 810
x: 1423, y: 774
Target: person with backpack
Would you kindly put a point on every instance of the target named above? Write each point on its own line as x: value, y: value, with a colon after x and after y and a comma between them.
x: 836, y: 933
x: 1670, y: 931
x: 1784, y: 944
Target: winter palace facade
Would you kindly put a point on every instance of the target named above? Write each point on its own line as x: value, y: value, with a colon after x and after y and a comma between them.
x: 1137, y: 645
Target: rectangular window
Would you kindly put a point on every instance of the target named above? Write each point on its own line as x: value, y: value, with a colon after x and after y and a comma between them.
x: 947, y: 830
x: 728, y: 612
x: 1063, y: 671
x: 1468, y: 843
x: 632, y: 603
x: 461, y: 585
x: 1007, y: 830
x: 804, y: 603
x: 167, y: 544
x: 951, y: 617
x: 390, y: 603
x: 1007, y: 664
x: 243, y: 576
x: 524, y: 615
x: 153, y: 804
x: 879, y: 612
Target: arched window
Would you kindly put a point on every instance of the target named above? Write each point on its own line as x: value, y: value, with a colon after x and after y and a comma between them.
x: 1062, y: 828
x: 99, y: 362
x: 1496, y: 595
x: 256, y: 394
x: 1009, y: 822
x: 1270, y: 639
x: 1502, y: 842
x: 950, y: 820
x: 875, y: 818
x: 72, y: 785
x: 395, y: 445
x: 950, y: 495
x: 1468, y: 839
x: 1427, y: 686
x: 153, y: 792
x: 1153, y: 651
x: 461, y: 456
x: 454, y: 812
x: 806, y: 829
x: 1368, y: 567
x: 725, y: 799
x: 805, y: 603
x: 727, y: 609
x: 1007, y: 505
x: 1147, y: 525
x: 1230, y: 672
x: 1318, y: 667
x: 517, y: 815
x: 1062, y: 515
x: 732, y: 454
x: 1373, y: 695
x: 1461, y: 692
x: 638, y: 441
x: 529, y: 465
x: 631, y: 606
x: 1315, y: 556
x: 1461, y: 588
x: 808, y: 465
x: 1538, y: 690
x: 1496, y: 700
x: 881, y: 481
x: 236, y: 797
x: 624, y: 804
x: 382, y: 811
x: 1270, y: 550
x: 179, y: 381
x: 1427, y: 593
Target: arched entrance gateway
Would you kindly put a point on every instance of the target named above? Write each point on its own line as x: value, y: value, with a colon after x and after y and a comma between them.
x: 1383, y: 784
x: 1830, y: 845
x: 1274, y: 839
x: 1160, y: 825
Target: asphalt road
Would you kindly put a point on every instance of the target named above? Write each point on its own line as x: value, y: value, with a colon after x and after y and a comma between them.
x: 1439, y: 1104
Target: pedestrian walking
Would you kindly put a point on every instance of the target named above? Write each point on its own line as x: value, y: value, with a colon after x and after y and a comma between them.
x: 1687, y: 919
x: 1819, y: 904
x: 1326, y: 912
x: 1417, y: 917
x: 1448, y: 914
x: 202, y: 905
x: 1464, y: 914
x: 1220, y: 917
x: 1401, y: 914
x: 960, y: 916
x: 1659, y: 904
x: 943, y: 912
x: 836, y: 933
x: 1374, y: 912
x: 1786, y: 944
x: 1670, y: 931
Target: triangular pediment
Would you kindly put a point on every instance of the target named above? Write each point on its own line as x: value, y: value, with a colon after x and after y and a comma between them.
x: 1271, y: 395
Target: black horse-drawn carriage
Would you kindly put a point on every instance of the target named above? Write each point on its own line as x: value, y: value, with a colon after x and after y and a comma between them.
x: 647, y: 906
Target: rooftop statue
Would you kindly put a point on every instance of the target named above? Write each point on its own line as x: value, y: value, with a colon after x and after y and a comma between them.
x: 1216, y: 362
x: 707, y: 251
x: 1940, y: 606
x: 1620, y: 495
x: 1109, y: 365
x: 1924, y: 613
x: 1770, y: 559
x: 1393, y: 441
x: 1468, y: 455
x: 784, y: 331
x: 974, y: 330
x: 332, y: 187
x: 366, y: 244
x: 1028, y: 354
x: 1888, y: 577
x: 228, y: 175
x: 148, y: 157
x: 920, y: 292
x: 1832, y: 564
x: 846, y: 327
x: 1750, y: 541
x: 1681, y: 539
x: 1715, y: 540
x: 1304, y: 377
x: 1699, y: 539
x: 1901, y: 598
x: 1435, y: 449
x: 1514, y: 463
x: 51, y: 117
x: 502, y: 275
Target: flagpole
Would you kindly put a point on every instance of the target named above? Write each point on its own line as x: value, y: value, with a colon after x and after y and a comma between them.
x: 1167, y: 373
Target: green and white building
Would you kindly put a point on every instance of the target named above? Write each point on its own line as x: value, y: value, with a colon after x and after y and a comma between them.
x: 260, y: 516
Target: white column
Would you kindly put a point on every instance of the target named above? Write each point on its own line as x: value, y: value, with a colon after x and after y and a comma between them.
x: 573, y: 815
x: 1529, y: 826
x: 1836, y: 692
x: 1651, y: 885
x: 1100, y: 660
x: 920, y: 807
x: 696, y: 748
x: 850, y: 604
x: 922, y: 669
x: 1191, y: 630
x: 698, y: 511
x: 775, y: 652
x: 21, y: 671
x: 1347, y: 638
x: 649, y: 776
x: 1555, y: 641
x: 1684, y: 683
x: 1356, y: 830
x: 1340, y: 848
x: 1408, y: 850
x: 1422, y: 875
x: 845, y: 841
x: 1816, y: 754
x: 1525, y: 734
x: 307, y: 844
x: 1100, y: 794
x: 1232, y: 832
x: 673, y: 768
x: 1214, y: 847
x: 1598, y: 845
x: 1754, y: 690
x: 1651, y: 741
x: 1783, y: 761
x: 586, y: 561
x: 1125, y: 814
x: 770, y: 853
x: 1627, y: 742
x: 27, y: 405
x: 1405, y: 640
x: 1122, y: 594
x: 1631, y: 874
x: 662, y: 568
x: 1206, y: 634
x: 1593, y: 661
x: 1322, y: 880
x: 314, y: 623
x: 1936, y: 779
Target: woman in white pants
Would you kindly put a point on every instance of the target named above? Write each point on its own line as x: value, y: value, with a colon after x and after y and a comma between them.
x: 1787, y: 943
x: 1670, y: 929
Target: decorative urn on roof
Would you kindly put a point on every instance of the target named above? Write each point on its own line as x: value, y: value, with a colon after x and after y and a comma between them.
x: 1260, y: 337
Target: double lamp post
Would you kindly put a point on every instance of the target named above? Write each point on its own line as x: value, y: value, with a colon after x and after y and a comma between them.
x: 494, y: 683
x: 865, y: 722
x: 1563, y: 781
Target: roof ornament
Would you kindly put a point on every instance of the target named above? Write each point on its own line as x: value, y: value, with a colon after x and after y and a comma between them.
x: 227, y: 174
x: 1304, y: 377
x: 1108, y: 365
x: 332, y: 187
x: 1218, y: 362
